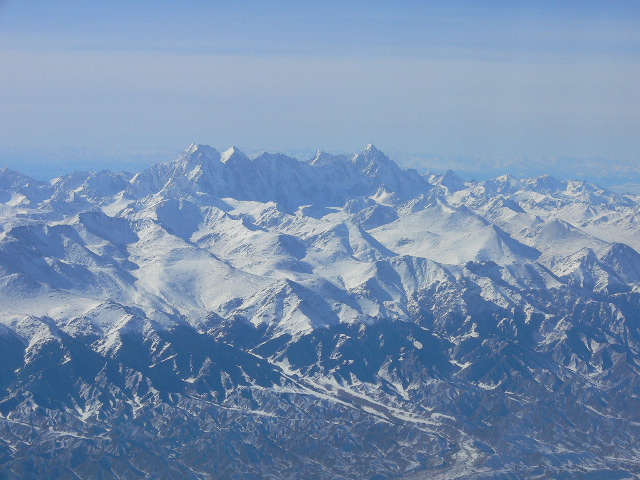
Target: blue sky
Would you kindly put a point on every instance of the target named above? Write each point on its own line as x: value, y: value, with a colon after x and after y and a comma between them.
x: 491, y: 80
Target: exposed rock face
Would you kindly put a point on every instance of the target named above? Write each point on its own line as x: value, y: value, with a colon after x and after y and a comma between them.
x: 227, y: 317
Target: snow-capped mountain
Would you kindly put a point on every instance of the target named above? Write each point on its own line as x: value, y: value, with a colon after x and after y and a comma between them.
x: 226, y: 317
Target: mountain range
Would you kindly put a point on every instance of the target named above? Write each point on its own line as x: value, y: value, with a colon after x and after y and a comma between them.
x: 219, y: 316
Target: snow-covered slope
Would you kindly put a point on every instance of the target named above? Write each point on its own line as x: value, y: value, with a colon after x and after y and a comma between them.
x: 336, y: 318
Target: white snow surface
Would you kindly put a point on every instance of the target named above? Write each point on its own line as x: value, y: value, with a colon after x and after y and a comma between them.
x: 295, y: 245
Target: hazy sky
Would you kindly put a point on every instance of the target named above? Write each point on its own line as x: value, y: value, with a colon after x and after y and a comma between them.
x: 537, y: 79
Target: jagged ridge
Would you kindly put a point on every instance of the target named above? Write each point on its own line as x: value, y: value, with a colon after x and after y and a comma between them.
x: 336, y: 318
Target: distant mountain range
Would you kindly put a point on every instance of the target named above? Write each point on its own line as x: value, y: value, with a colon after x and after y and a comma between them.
x: 225, y: 317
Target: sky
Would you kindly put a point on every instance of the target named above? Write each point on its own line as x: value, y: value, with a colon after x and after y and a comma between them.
x: 493, y: 83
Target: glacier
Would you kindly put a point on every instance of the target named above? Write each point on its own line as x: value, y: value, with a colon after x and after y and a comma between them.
x: 220, y: 316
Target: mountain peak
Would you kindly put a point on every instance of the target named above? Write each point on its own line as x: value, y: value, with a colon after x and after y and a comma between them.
x: 452, y: 181
x: 371, y: 148
x: 372, y: 152
x: 192, y: 148
x: 371, y: 157
x: 234, y: 154
x: 196, y: 154
x: 205, y: 150
x: 322, y: 158
x: 10, y: 177
x: 546, y: 184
